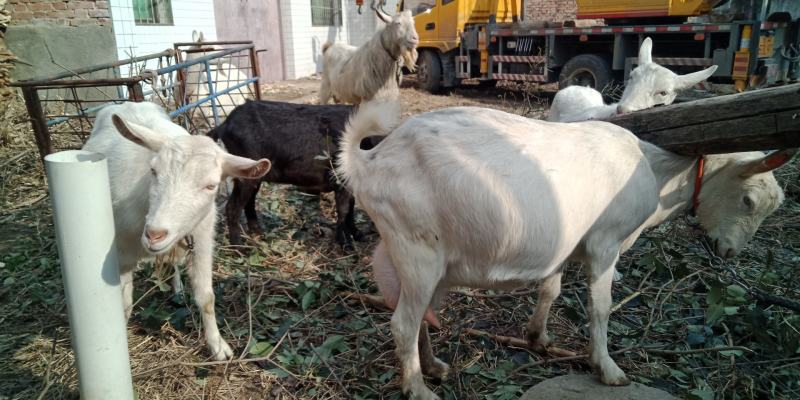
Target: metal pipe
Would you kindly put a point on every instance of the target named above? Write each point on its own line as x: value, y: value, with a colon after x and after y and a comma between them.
x: 44, y: 80
x: 84, y: 226
x: 212, y: 93
x: 183, y: 109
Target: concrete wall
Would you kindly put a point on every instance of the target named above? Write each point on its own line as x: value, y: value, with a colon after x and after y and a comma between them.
x: 258, y: 21
x: 139, y: 40
x: 302, y: 43
x: 33, y: 44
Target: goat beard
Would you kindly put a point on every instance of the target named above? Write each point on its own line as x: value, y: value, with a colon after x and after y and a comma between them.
x: 409, y: 57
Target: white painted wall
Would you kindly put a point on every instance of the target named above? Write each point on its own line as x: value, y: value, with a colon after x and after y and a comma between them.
x: 138, y: 40
x: 302, y: 43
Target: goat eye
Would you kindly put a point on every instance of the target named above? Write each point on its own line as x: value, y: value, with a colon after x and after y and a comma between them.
x: 663, y: 93
x: 211, y: 187
x: 152, y: 172
x: 748, y: 202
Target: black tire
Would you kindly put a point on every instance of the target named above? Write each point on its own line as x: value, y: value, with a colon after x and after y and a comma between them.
x: 429, y: 71
x: 489, y: 83
x: 586, y: 70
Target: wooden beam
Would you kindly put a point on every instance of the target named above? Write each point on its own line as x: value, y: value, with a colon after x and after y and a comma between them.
x: 765, y: 119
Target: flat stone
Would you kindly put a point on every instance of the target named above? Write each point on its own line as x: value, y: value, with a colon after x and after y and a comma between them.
x: 582, y: 387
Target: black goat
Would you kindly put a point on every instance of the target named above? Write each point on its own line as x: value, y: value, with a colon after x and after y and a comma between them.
x: 301, y: 141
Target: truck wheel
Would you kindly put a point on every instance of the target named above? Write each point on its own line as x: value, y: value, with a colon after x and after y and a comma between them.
x: 429, y: 71
x: 586, y: 70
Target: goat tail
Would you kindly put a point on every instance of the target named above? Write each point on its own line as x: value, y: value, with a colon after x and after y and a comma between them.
x: 373, y: 118
x: 326, y: 46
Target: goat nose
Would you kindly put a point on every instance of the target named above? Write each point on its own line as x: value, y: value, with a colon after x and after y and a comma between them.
x: 621, y: 110
x: 155, y: 235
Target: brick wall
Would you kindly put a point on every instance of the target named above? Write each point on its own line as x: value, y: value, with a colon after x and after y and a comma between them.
x: 59, y: 12
x: 550, y: 10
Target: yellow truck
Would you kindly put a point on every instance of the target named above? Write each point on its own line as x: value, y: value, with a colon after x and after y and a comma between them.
x: 754, y: 42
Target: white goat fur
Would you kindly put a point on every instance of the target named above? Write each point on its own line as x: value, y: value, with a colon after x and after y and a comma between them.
x: 164, y: 180
x: 355, y: 74
x: 223, y: 74
x: 481, y: 198
x: 649, y: 85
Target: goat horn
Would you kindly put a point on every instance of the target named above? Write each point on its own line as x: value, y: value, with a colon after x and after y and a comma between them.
x: 385, y: 18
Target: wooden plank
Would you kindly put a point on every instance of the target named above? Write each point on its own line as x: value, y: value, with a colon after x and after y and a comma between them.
x: 765, y: 119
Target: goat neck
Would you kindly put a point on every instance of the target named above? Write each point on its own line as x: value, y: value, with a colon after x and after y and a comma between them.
x: 676, y: 176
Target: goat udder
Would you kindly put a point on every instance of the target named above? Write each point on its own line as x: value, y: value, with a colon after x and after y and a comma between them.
x: 389, y: 285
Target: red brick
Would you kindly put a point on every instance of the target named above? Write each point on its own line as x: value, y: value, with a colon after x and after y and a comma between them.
x: 81, y: 14
x: 83, y: 5
x: 59, y: 5
x: 39, y: 14
x: 103, y: 5
x: 40, y: 7
x: 22, y: 16
x: 20, y: 7
x: 104, y: 21
x: 98, y: 13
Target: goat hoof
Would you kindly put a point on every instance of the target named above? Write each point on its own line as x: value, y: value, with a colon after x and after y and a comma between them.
x: 539, y: 343
x: 420, y: 392
x: 359, y: 236
x: 221, y: 351
x: 254, y: 229
x: 437, y: 369
x: 612, y: 375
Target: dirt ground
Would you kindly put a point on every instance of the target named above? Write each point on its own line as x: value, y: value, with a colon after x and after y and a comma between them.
x: 294, y: 306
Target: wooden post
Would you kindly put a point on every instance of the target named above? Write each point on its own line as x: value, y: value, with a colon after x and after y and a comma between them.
x: 256, y: 72
x: 38, y: 121
x: 135, y: 92
x: 765, y: 119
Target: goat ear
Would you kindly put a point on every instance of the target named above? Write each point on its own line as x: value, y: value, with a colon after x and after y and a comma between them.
x: 241, y: 167
x: 195, y: 36
x: 138, y: 134
x: 768, y: 162
x: 689, y: 80
x: 646, y: 51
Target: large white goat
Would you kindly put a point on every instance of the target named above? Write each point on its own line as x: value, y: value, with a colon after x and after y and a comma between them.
x: 649, y: 85
x: 476, y: 197
x: 355, y: 74
x: 224, y: 75
x: 163, y: 185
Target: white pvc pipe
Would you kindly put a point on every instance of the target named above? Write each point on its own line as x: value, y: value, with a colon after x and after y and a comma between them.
x: 84, y: 224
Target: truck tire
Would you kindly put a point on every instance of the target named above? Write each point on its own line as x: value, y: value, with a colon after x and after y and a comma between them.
x: 586, y: 70
x: 429, y: 71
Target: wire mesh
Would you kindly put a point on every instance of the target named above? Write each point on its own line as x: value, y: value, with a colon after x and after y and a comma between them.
x: 198, y: 93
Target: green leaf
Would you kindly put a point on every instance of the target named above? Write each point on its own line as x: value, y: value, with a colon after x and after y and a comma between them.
x: 714, y: 295
x: 472, y: 369
x: 279, y: 372
x: 260, y: 348
x: 731, y: 353
x: 731, y: 310
x: 736, y: 290
x: 701, y: 394
x: 308, y: 299
x: 387, y: 376
x: 714, y: 313
x: 255, y: 259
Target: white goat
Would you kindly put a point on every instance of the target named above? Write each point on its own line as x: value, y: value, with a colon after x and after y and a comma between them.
x: 223, y: 75
x: 163, y: 185
x: 476, y: 197
x: 355, y: 74
x: 649, y: 85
